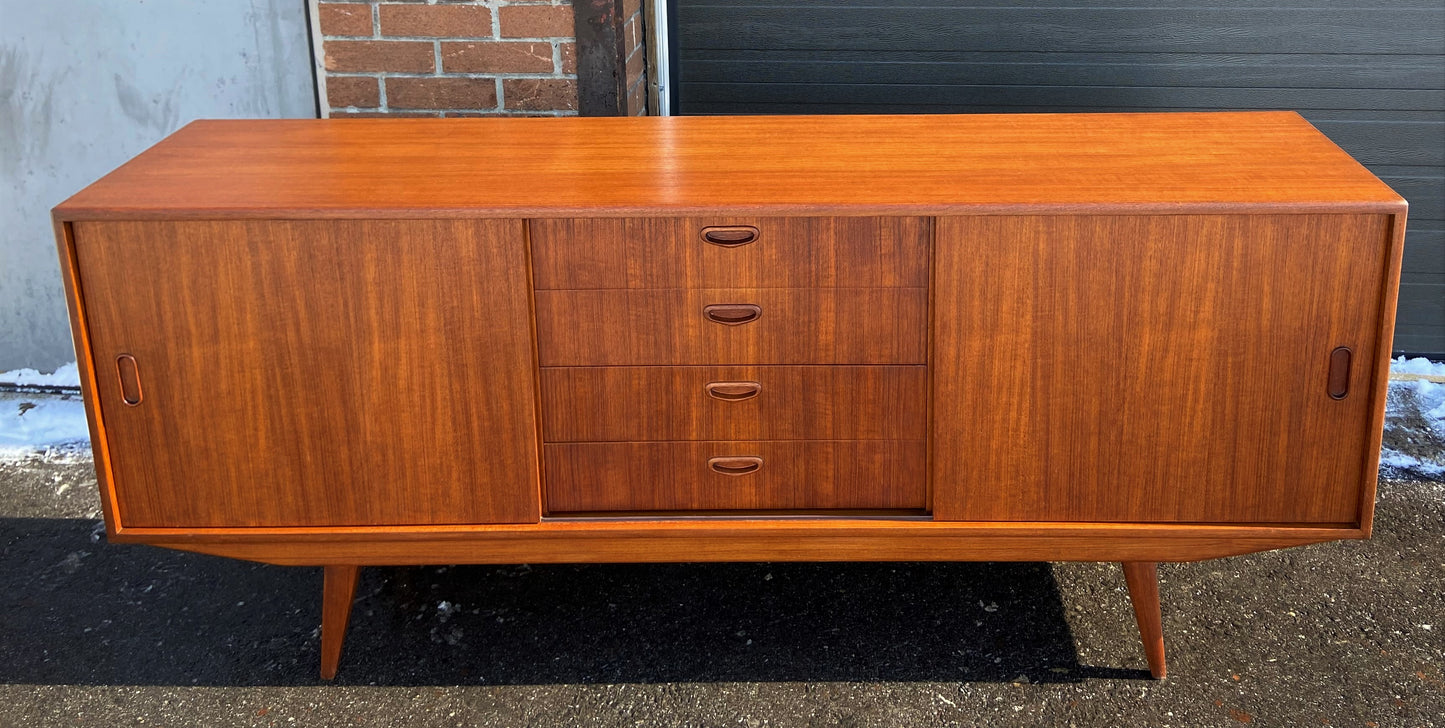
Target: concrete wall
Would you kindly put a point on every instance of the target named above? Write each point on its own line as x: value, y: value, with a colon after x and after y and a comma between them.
x: 86, y: 84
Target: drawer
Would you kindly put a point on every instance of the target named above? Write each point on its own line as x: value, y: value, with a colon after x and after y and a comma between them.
x: 582, y: 404
x: 742, y: 475
x: 732, y: 326
x: 824, y: 252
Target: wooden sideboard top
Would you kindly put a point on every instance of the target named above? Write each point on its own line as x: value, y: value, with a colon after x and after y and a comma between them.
x: 777, y: 165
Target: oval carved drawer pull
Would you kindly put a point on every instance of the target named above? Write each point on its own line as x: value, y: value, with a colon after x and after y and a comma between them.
x: 737, y: 465
x: 733, y: 391
x: 732, y: 314
x: 730, y: 236
x: 1339, y: 381
x: 128, y: 372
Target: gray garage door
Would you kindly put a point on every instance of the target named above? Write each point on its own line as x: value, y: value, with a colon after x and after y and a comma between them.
x: 1370, y: 74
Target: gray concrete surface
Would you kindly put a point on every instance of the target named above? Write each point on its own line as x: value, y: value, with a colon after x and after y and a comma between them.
x: 97, y: 634
x: 87, y: 84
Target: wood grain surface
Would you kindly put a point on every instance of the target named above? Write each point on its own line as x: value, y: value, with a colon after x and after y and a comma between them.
x: 1384, y: 334
x: 796, y: 326
x: 85, y: 363
x: 707, y: 538
x: 315, y: 373
x: 824, y: 252
x: 1155, y: 368
x: 1090, y: 366
x: 788, y: 165
x: 338, y: 591
x: 793, y: 475
x: 1142, y: 578
x: 582, y: 404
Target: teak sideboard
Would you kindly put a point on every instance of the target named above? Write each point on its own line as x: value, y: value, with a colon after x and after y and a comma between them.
x: 1105, y: 337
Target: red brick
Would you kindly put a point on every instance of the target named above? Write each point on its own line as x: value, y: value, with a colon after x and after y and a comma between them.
x: 379, y: 55
x: 539, y: 94
x: 344, y: 19
x: 637, y: 99
x: 494, y: 114
x: 359, y: 91
x: 569, y: 57
x: 632, y: 33
x: 631, y: 8
x: 536, y: 21
x: 497, y: 57
x: 436, y: 21
x: 441, y: 93
x: 636, y: 64
x: 343, y: 114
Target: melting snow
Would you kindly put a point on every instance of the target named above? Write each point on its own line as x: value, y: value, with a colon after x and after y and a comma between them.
x: 1421, y: 390
x: 31, y: 423
x: 1418, y: 365
x: 67, y: 375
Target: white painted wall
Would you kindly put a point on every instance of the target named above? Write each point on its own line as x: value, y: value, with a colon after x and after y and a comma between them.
x: 87, y: 84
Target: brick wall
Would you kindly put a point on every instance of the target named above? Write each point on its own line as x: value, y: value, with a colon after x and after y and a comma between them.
x: 634, y: 39
x: 457, y: 58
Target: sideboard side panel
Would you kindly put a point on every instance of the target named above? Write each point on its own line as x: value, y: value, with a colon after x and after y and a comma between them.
x: 313, y: 373
x: 1154, y: 368
x: 1384, y: 345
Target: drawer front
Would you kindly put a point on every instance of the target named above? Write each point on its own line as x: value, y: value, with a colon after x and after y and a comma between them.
x: 741, y: 475
x: 861, y: 252
x: 732, y: 326
x: 581, y: 404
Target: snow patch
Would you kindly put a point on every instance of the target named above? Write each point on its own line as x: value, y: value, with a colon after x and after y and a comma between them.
x: 1416, y: 405
x: 1418, y: 365
x: 33, y: 423
x: 1406, y: 465
x: 67, y: 375
x: 1431, y: 399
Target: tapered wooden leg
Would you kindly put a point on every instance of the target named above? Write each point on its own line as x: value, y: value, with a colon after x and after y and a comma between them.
x: 1143, y: 580
x: 337, y: 593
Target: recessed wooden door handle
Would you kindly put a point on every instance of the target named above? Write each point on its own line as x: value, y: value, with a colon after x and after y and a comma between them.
x: 730, y: 236
x: 128, y: 372
x: 1339, y: 382
x: 733, y: 391
x: 737, y: 465
x: 732, y: 314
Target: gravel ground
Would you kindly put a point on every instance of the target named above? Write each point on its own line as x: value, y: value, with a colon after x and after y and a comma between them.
x: 97, y: 634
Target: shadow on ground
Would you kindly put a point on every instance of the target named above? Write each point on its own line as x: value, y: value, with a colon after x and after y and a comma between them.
x: 81, y: 611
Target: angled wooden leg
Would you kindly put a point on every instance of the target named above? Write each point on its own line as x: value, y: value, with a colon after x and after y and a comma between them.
x: 337, y: 592
x: 1143, y: 580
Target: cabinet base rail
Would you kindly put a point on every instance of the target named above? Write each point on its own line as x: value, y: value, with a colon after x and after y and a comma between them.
x: 556, y: 541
